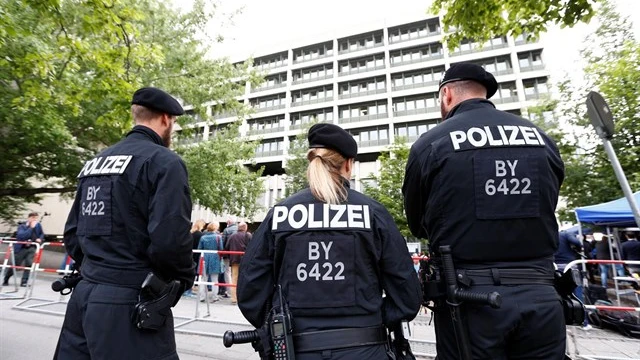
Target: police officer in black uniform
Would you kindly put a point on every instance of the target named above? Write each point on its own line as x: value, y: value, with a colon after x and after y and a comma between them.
x: 337, y: 251
x: 131, y: 216
x: 486, y: 182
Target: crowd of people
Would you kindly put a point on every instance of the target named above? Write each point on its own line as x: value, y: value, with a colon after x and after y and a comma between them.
x: 217, y: 268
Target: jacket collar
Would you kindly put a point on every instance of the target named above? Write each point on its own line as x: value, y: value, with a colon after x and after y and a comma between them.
x: 150, y: 134
x: 469, y: 104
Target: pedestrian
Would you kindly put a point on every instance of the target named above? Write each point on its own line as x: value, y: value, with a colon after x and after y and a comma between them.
x: 333, y: 251
x: 210, y: 240
x: 30, y: 232
x: 237, y: 242
x: 130, y: 217
x: 232, y: 228
x: 196, y: 234
x: 486, y: 182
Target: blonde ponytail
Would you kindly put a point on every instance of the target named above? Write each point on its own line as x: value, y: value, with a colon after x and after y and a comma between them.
x: 323, y: 175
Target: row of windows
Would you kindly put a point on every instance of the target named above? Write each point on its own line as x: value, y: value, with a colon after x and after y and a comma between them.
x: 360, y: 42
x: 321, y: 115
x: 266, y: 125
x: 411, y: 131
x: 271, y: 61
x: 270, y: 148
x: 414, y: 31
x: 313, y: 52
x: 363, y: 111
x: 535, y: 88
x: 467, y: 46
x: 376, y: 136
x: 368, y: 63
x: 422, y: 77
x: 507, y: 92
x: 313, y: 73
x: 310, y: 96
x: 273, y: 81
x: 397, y: 34
x: 415, y: 104
x: 417, y: 54
x: 362, y: 87
x: 496, y: 65
x: 268, y: 102
x: 530, y: 60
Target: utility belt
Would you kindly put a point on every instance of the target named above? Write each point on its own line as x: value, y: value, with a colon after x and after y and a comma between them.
x: 339, y: 338
x: 434, y: 286
x: 497, y: 277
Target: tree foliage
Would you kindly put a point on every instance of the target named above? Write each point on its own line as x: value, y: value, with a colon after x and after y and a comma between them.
x: 486, y: 19
x: 613, y: 69
x: 387, y: 185
x: 218, y: 178
x: 67, y: 73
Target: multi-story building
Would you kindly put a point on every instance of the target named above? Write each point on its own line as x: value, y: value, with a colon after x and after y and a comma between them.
x: 378, y: 84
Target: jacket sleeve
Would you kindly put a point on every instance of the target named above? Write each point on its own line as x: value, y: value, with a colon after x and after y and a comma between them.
x: 414, y: 190
x: 399, y: 280
x: 39, y: 231
x: 71, y: 242
x: 255, y: 283
x: 169, y: 205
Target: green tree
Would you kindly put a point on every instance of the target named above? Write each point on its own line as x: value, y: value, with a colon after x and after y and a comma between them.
x: 387, y: 185
x: 613, y: 69
x: 486, y: 19
x: 218, y: 177
x: 67, y: 73
x: 296, y: 166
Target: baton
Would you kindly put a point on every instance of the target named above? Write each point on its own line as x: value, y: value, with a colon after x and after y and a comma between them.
x: 455, y: 298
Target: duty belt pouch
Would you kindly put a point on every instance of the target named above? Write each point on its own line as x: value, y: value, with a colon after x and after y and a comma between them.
x: 151, y: 314
x: 565, y: 284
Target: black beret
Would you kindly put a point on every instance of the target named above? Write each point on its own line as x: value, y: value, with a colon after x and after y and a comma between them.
x: 470, y: 71
x: 333, y: 137
x: 158, y: 100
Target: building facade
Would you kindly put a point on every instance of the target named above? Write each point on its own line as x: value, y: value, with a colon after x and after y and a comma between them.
x: 378, y: 84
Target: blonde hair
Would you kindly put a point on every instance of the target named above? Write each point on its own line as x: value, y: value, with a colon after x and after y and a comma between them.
x: 197, y: 226
x: 323, y: 175
x: 213, y: 226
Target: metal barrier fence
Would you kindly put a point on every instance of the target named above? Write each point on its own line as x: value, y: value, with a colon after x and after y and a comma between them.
x: 10, y: 254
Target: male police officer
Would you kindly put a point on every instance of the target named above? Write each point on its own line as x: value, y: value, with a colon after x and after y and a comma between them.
x: 486, y: 183
x: 333, y: 251
x: 130, y: 217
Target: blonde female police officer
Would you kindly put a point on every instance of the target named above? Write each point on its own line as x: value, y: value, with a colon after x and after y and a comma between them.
x: 486, y: 183
x: 340, y: 250
x: 131, y: 216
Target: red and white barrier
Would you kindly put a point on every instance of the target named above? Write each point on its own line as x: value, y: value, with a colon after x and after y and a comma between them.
x: 9, y: 254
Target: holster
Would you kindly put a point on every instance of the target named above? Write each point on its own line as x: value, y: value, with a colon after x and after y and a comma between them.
x: 156, y: 300
x: 433, y: 287
x: 263, y: 347
x: 565, y: 283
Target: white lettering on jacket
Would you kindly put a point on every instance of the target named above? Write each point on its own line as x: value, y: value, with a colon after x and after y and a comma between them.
x: 496, y: 136
x: 329, y: 217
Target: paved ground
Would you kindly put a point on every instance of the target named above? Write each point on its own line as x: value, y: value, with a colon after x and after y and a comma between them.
x: 29, y: 330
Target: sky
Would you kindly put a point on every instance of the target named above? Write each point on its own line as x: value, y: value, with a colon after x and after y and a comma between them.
x: 267, y: 26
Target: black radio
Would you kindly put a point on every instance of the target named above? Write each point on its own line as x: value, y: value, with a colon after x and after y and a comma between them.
x: 282, y: 332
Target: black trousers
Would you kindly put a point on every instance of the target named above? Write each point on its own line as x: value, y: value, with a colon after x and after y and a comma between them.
x: 24, y: 257
x: 529, y: 325
x: 98, y: 325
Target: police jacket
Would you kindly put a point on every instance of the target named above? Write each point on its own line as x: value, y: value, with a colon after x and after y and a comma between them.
x: 334, y: 262
x: 131, y: 214
x: 568, y: 247
x: 486, y: 183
